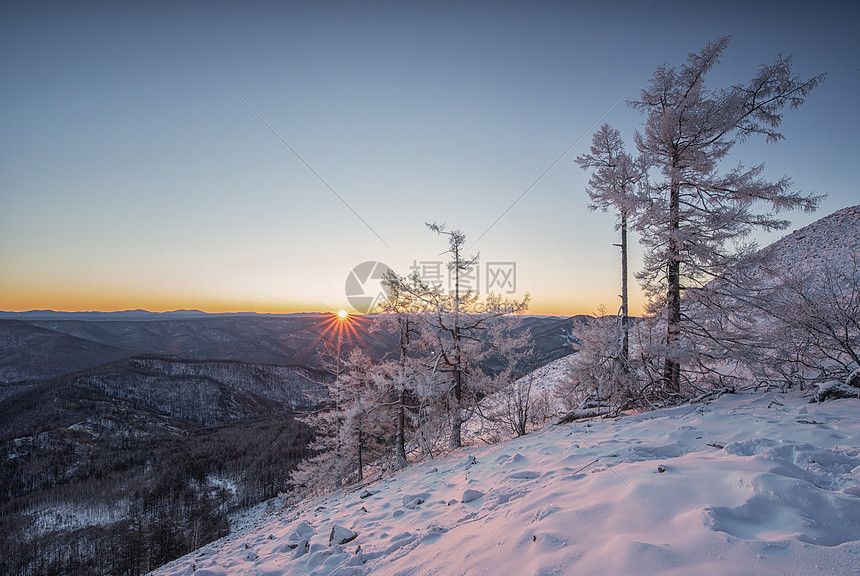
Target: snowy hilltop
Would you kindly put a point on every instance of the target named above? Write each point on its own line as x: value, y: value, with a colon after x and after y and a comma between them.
x: 763, y: 483
x: 830, y: 241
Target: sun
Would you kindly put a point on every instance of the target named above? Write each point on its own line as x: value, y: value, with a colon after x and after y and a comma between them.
x: 342, y: 314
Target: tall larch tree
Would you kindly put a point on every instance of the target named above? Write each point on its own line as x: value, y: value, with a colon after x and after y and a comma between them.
x: 698, y: 212
x: 613, y: 184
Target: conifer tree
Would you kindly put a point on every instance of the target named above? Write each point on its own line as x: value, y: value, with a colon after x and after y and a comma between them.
x: 696, y: 210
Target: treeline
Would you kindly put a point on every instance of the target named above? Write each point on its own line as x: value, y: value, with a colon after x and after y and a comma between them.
x: 454, y: 351
x: 720, y: 313
x: 98, y: 499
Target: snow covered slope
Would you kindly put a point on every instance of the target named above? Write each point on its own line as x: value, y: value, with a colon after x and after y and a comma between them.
x: 832, y: 241
x: 748, y: 484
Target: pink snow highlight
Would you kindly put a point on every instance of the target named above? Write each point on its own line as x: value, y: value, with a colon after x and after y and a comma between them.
x: 748, y: 484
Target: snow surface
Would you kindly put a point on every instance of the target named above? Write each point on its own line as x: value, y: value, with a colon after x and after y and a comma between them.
x: 832, y: 241
x: 544, y: 381
x: 747, y: 484
x: 549, y: 376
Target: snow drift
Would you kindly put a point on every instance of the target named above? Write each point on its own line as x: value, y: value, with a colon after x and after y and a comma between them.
x: 748, y: 484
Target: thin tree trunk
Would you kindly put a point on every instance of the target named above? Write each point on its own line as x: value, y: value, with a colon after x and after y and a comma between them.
x: 672, y: 368
x: 456, y: 439
x: 625, y: 310
x: 338, y: 481
x: 400, y: 436
x: 399, y: 441
x: 360, y: 459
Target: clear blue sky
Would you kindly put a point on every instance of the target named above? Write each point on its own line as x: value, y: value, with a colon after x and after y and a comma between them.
x: 132, y: 176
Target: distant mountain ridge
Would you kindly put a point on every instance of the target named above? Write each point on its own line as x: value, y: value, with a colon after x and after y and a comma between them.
x: 48, y: 345
x: 31, y: 352
x: 137, y: 314
x: 43, y: 348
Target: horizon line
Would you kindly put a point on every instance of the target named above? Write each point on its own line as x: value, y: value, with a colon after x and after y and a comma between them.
x: 221, y: 313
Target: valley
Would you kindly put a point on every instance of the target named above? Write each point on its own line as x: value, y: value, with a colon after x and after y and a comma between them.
x: 129, y: 439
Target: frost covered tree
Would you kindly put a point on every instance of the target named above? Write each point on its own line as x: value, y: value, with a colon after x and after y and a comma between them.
x: 460, y: 336
x: 779, y: 324
x: 347, y: 431
x: 452, y: 331
x: 597, y: 382
x: 819, y: 314
x: 805, y: 323
x: 465, y: 336
x: 697, y: 212
x: 518, y: 404
x: 402, y: 313
x: 613, y: 184
x: 362, y: 396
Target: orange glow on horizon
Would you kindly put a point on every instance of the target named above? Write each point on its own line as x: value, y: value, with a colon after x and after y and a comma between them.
x: 535, y: 309
x: 76, y: 299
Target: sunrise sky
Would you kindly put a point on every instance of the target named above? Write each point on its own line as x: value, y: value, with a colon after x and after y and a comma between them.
x: 133, y: 176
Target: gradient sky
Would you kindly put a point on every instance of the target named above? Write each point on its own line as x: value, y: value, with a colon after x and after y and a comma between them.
x: 131, y: 176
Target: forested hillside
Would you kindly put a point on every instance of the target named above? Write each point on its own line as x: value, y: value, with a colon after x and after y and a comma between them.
x: 129, y: 439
